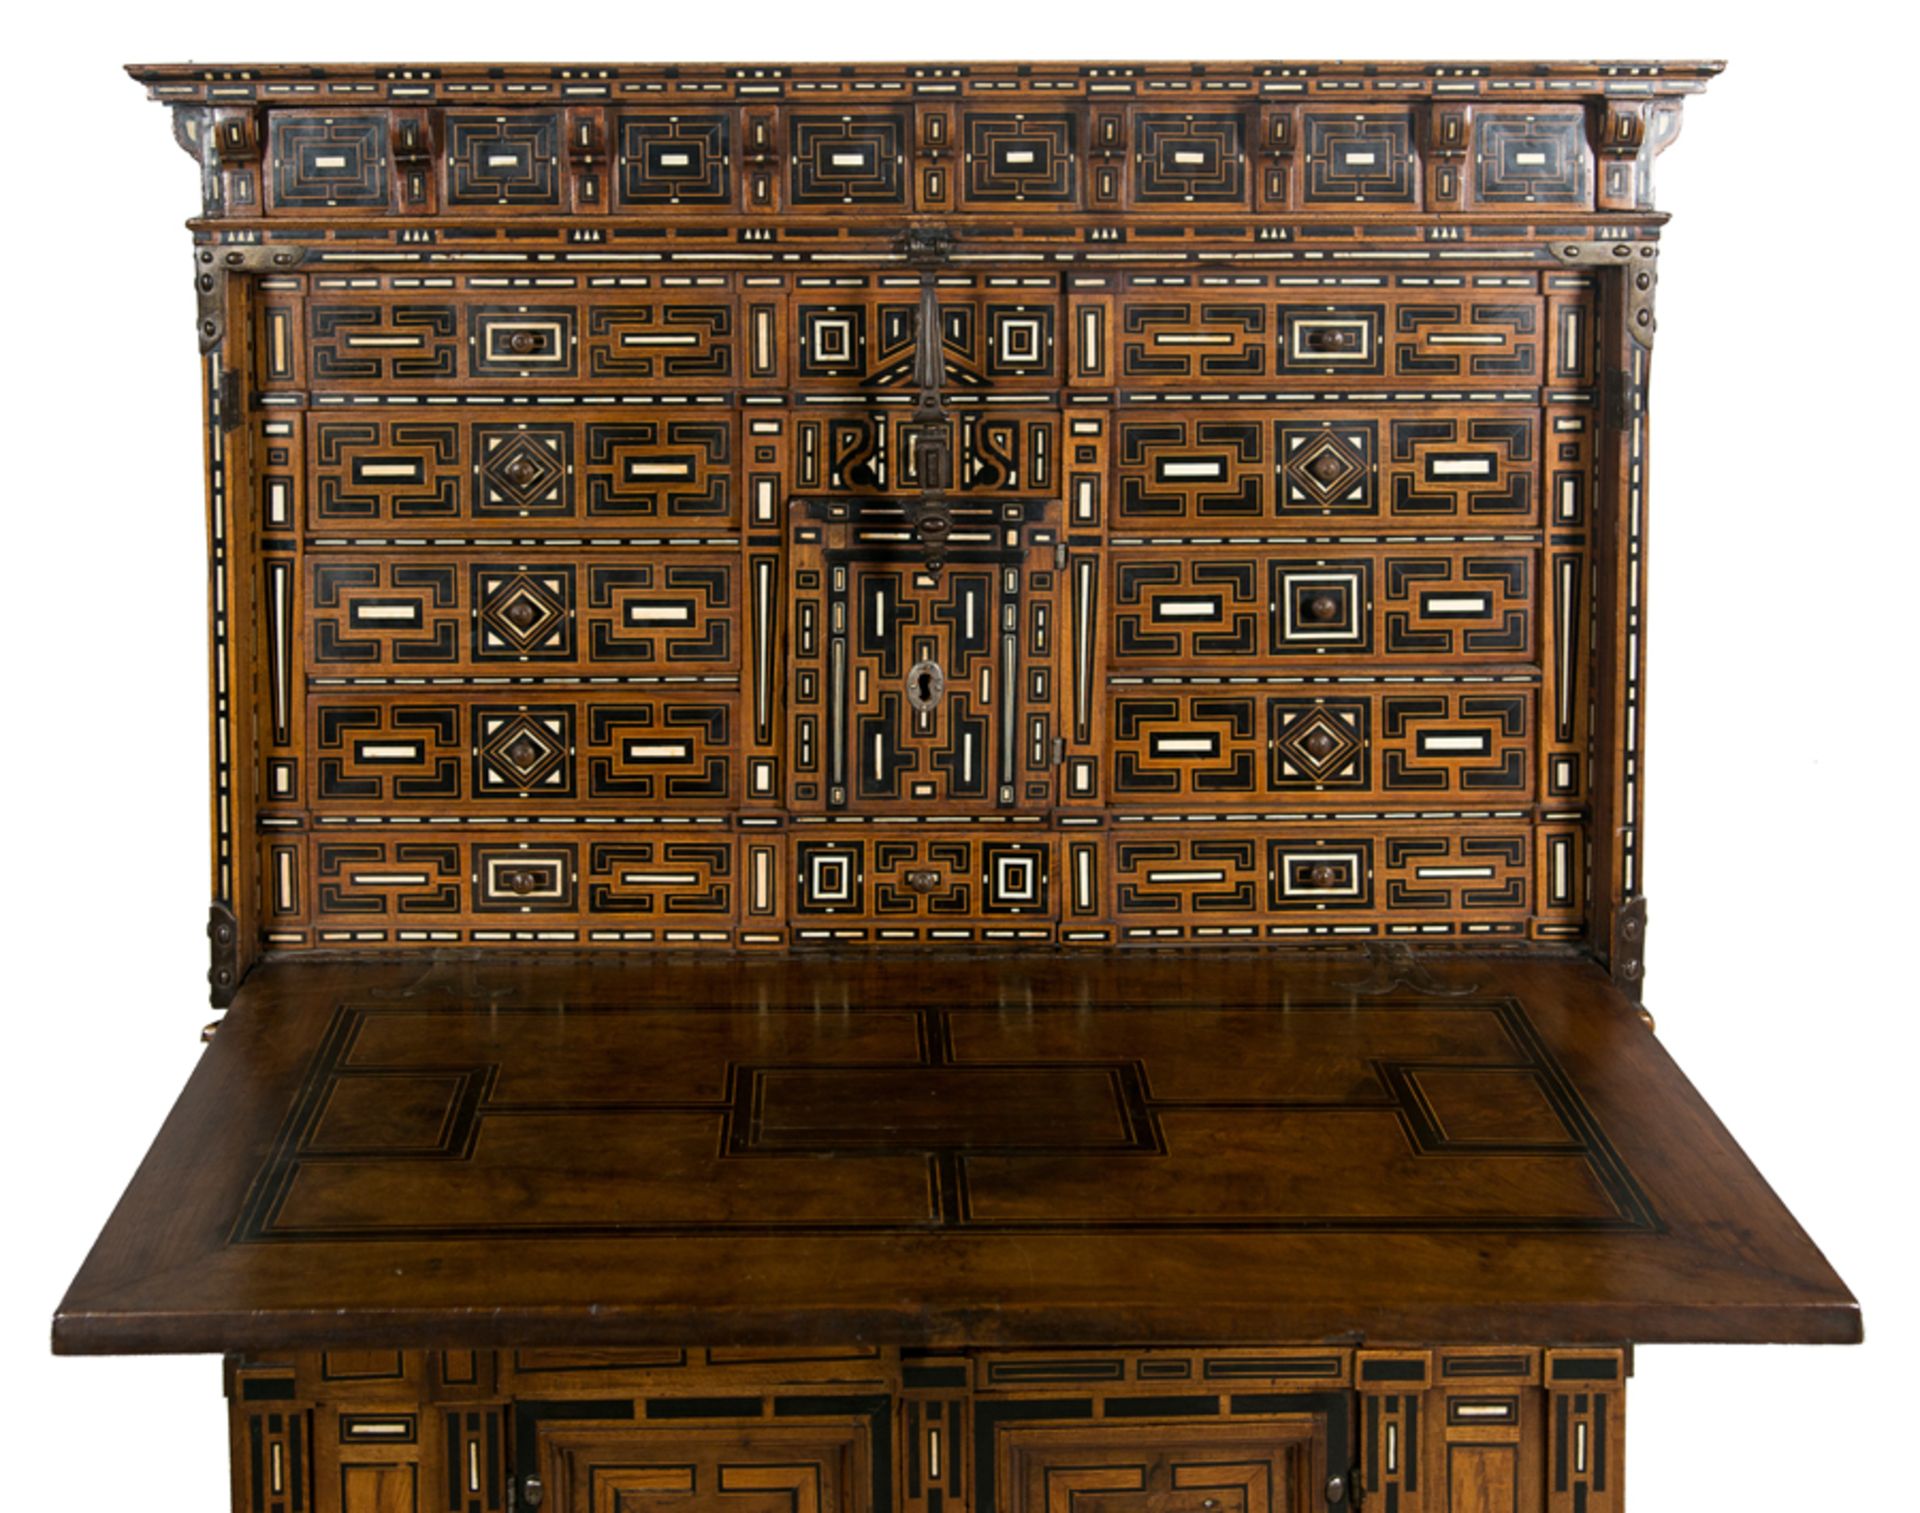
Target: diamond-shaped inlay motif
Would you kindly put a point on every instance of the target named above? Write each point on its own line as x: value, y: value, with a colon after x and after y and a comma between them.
x: 525, y: 751
x: 523, y: 470
x: 523, y: 613
x: 1318, y: 743
x: 1327, y: 467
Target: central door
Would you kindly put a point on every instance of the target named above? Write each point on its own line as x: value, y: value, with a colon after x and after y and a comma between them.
x: 915, y: 688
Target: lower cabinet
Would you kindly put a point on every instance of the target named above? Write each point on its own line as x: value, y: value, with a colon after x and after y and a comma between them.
x: 860, y: 1430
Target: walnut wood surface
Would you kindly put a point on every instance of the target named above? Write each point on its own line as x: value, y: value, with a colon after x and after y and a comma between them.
x: 937, y: 1151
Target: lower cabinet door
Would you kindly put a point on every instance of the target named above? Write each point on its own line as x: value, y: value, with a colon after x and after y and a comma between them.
x: 1274, y: 1465
x: 810, y: 1468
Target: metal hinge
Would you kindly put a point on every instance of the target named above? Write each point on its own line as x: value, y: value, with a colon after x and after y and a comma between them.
x: 1619, y: 399
x: 232, y: 406
x: 1059, y: 751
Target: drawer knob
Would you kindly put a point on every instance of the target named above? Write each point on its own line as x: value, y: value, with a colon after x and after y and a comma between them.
x: 522, y: 883
x: 1326, y: 467
x: 1320, y: 743
x: 1323, y: 607
x: 1323, y: 874
x: 524, y: 342
x: 522, y: 752
x: 923, y: 880
x: 520, y: 471
x: 522, y: 612
x: 1332, y: 339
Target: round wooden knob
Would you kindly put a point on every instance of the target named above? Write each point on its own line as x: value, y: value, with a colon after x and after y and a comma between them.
x: 522, y: 752
x: 1332, y: 339
x: 521, y: 471
x: 923, y: 880
x: 522, y: 612
x: 1323, y: 874
x: 1323, y: 607
x: 521, y: 882
x: 1320, y: 744
x: 523, y: 342
x: 1326, y: 467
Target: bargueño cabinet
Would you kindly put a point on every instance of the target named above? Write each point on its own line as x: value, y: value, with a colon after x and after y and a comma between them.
x: 927, y: 795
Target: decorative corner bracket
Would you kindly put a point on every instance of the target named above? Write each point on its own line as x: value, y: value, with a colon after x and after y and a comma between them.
x: 223, y: 940
x: 1392, y: 964
x: 213, y: 265
x: 1637, y: 262
x: 1628, y: 961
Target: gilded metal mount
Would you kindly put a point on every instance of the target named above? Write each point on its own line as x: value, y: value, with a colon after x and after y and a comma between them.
x: 1638, y: 264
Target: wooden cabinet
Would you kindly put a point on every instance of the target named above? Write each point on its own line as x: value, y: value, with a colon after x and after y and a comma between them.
x: 928, y: 795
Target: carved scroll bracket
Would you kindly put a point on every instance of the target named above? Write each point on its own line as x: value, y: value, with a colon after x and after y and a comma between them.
x: 1638, y: 265
x: 211, y: 268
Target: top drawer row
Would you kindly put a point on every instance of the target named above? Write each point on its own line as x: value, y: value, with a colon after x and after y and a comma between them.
x: 1049, y: 160
x: 856, y: 335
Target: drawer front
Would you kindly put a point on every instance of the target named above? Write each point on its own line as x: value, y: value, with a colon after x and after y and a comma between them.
x: 1220, y: 881
x: 912, y: 690
x: 433, y: 886
x: 1485, y: 332
x: 521, y: 339
x: 864, y: 450
x: 672, y: 610
x: 1223, y: 743
x: 856, y: 335
x: 1211, y: 604
x: 600, y: 471
x: 932, y: 885
x: 778, y: 1467
x: 514, y: 753
x: 1277, y: 471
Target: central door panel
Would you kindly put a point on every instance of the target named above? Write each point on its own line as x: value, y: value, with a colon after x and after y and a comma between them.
x: 913, y: 687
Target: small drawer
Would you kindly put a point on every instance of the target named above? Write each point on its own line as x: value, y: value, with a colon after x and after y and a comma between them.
x: 885, y: 885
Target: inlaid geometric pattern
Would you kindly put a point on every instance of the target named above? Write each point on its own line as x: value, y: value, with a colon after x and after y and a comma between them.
x: 985, y: 340
x: 847, y: 159
x: 503, y: 159
x: 1003, y: 450
x: 1197, y: 158
x: 597, y: 471
x: 666, y: 341
x: 659, y: 471
x: 523, y: 613
x: 1178, y: 746
x: 323, y: 162
x: 1016, y: 157
x: 524, y: 751
x: 1328, y: 468
x: 870, y: 725
x: 1480, y: 338
x: 1166, y: 341
x: 377, y: 468
x: 1535, y: 158
x: 1354, y: 157
x: 922, y: 879
x: 662, y: 340
x: 1208, y: 603
x: 523, y: 470
x: 675, y: 159
x: 958, y: 1117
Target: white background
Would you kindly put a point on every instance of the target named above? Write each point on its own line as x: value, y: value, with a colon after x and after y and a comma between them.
x: 1781, y: 863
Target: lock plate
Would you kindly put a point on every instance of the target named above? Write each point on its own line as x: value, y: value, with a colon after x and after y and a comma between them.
x: 926, y: 682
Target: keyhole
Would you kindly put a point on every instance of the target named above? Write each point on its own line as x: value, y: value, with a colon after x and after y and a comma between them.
x: 925, y: 683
